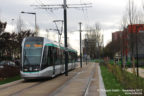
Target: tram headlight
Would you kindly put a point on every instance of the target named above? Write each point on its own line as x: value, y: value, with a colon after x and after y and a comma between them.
x: 36, y: 69
x: 25, y: 69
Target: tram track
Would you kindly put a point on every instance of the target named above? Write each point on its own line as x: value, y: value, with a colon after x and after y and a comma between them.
x: 20, y: 91
x: 3, y: 87
x: 16, y: 88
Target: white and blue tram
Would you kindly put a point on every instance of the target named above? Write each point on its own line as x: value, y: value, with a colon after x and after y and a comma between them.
x: 43, y: 58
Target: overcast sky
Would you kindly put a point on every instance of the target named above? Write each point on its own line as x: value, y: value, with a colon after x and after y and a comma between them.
x: 107, y: 13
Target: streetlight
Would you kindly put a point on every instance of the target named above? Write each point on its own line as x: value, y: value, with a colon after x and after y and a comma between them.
x: 33, y: 13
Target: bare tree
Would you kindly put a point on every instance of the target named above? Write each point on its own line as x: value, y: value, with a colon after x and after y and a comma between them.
x: 123, y: 46
x: 20, y: 25
x: 112, y: 48
x: 132, y: 20
x: 94, y: 41
x: 133, y: 16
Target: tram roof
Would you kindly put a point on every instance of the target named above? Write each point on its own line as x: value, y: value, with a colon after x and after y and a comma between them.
x: 56, y: 44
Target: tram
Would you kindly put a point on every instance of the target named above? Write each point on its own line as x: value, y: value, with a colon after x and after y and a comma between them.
x: 42, y: 58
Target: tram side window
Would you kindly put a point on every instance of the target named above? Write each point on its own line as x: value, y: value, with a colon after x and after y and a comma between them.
x: 69, y: 60
x: 75, y: 57
x: 54, y: 55
x: 45, y: 58
x: 68, y: 57
x: 59, y: 56
x: 71, y: 57
x: 50, y: 56
x: 63, y: 57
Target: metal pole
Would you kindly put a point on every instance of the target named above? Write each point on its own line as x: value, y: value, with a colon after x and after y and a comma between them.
x: 65, y: 37
x: 80, y: 47
x: 47, y: 32
x: 137, y: 52
x: 86, y: 50
x: 122, y: 37
x: 36, y: 25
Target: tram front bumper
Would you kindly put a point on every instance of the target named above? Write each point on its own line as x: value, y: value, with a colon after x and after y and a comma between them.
x: 34, y: 75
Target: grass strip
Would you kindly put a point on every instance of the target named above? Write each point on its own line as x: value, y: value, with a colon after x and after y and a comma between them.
x: 113, y: 87
x: 11, y: 79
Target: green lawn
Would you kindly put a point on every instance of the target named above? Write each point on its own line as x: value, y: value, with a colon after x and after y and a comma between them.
x: 112, y: 86
x: 7, y: 80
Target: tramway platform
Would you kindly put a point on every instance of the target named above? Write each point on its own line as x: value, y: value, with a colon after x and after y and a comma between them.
x: 84, y: 83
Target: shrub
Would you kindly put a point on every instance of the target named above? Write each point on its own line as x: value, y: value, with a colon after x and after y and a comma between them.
x: 111, y: 83
x: 9, y: 71
x: 128, y: 80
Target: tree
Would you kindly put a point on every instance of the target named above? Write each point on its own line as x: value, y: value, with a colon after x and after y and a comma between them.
x: 123, y: 43
x: 131, y: 13
x: 93, y: 42
x: 10, y: 43
x: 131, y: 17
x: 2, y: 28
x: 112, y: 48
x: 20, y: 25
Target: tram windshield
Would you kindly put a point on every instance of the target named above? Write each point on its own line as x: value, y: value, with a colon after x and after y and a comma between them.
x: 32, y: 51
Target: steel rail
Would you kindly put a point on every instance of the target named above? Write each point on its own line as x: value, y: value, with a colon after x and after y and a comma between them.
x: 20, y: 91
x: 8, y: 86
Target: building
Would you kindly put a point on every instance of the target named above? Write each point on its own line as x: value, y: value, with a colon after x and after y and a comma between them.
x: 133, y: 37
x: 135, y: 28
x: 116, y: 35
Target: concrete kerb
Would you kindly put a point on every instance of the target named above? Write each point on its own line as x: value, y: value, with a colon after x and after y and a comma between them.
x: 102, y: 91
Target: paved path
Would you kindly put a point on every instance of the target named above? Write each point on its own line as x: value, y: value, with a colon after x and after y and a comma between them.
x: 84, y: 83
x: 141, y: 71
